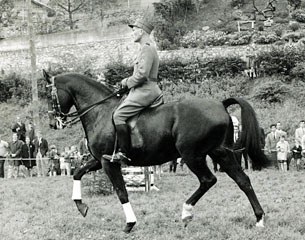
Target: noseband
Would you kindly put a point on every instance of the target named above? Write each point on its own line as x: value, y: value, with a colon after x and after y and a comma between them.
x: 61, y: 117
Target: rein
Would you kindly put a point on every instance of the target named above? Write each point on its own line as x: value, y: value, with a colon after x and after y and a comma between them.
x: 59, y: 115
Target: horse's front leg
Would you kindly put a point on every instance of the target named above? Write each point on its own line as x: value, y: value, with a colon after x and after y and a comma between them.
x: 113, y: 171
x: 91, y: 165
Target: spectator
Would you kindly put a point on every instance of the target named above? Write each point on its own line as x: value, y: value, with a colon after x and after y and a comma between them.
x: 173, y: 166
x: 75, y: 159
x: 3, y: 155
x: 62, y: 164
x: 31, y: 131
x: 14, y: 147
x: 282, y: 153
x: 19, y: 128
x: 41, y: 149
x: 84, y: 150
x: 27, y: 155
x: 270, y: 146
x: 279, y: 132
x: 54, y: 165
x: 250, y: 58
x: 300, y: 132
x: 67, y: 161
x: 297, y: 154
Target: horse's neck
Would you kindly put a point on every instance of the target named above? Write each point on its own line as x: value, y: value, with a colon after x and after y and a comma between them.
x: 85, y: 96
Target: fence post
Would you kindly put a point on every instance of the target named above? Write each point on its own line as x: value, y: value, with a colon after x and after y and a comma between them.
x: 147, y: 179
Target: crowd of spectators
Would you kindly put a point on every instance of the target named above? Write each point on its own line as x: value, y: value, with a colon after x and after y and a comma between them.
x: 28, y: 154
x: 280, y: 151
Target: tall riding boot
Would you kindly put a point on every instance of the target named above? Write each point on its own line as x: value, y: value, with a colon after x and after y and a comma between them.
x: 123, y: 142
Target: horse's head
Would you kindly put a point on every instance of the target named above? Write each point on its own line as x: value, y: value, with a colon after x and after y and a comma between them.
x: 59, y: 101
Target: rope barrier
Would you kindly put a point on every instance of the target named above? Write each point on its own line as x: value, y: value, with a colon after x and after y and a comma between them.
x: 23, y: 159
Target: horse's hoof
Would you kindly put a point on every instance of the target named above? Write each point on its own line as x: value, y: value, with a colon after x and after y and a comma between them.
x: 129, y: 227
x: 82, y: 208
x: 260, y: 223
x: 187, y: 220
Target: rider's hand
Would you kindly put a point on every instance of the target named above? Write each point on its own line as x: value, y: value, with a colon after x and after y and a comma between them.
x: 124, y: 83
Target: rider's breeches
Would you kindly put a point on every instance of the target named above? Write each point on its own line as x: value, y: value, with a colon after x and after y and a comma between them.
x: 126, y: 110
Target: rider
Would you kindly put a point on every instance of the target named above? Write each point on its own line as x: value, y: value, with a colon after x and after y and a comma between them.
x: 142, y: 86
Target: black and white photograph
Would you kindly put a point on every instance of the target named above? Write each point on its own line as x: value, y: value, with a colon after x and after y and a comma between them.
x: 152, y: 119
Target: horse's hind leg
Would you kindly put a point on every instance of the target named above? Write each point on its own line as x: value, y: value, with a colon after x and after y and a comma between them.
x: 113, y: 171
x: 91, y: 165
x: 206, y: 179
x: 226, y: 160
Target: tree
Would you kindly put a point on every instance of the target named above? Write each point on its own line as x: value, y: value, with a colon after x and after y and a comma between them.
x: 6, y: 12
x: 98, y: 7
x: 294, y: 4
x: 70, y: 7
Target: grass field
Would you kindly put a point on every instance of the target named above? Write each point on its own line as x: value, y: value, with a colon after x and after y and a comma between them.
x: 41, y: 208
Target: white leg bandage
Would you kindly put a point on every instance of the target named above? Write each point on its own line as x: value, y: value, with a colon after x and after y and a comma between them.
x: 76, y: 194
x: 130, y: 216
x: 187, y: 210
x: 260, y: 223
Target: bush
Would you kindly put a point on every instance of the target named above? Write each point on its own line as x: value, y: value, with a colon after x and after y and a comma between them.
x: 282, y: 14
x: 203, y: 38
x: 15, y: 87
x: 295, y: 36
x: 298, y: 71
x: 281, y: 21
x: 299, y: 15
x: 241, y: 38
x: 294, y: 26
x: 176, y: 71
x: 266, y: 38
x: 279, y: 61
x: 270, y: 91
x: 237, y: 3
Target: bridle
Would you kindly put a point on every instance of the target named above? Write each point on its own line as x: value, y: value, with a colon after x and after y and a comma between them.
x: 61, y: 117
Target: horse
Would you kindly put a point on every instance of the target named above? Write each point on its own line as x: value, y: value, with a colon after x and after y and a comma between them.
x: 191, y: 128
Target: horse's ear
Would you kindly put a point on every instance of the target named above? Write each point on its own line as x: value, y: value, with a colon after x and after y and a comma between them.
x: 46, y: 76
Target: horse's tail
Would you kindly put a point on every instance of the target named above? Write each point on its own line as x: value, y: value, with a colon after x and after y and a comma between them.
x: 250, y: 134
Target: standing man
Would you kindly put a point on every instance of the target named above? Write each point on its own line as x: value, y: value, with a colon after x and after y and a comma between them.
x: 279, y: 132
x: 300, y: 132
x: 142, y: 86
x: 270, y: 146
x: 3, y: 155
x: 41, y: 149
x: 14, y: 147
x: 27, y: 154
x: 19, y: 128
x: 84, y: 150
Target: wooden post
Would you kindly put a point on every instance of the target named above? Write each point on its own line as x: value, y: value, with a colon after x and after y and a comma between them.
x: 32, y: 52
x: 147, y: 179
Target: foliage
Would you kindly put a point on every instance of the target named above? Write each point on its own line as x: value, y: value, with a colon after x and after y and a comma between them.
x: 279, y: 60
x: 69, y: 8
x: 295, y: 36
x: 265, y: 38
x: 295, y: 4
x: 240, y: 38
x: 204, y: 38
x: 170, y: 21
x: 299, y: 15
x: 237, y: 3
x: 281, y: 21
x: 6, y: 12
x: 294, y: 26
x: 298, y: 71
x: 270, y: 90
x: 15, y: 87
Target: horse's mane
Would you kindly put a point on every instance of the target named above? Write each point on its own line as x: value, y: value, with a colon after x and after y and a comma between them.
x: 80, y: 78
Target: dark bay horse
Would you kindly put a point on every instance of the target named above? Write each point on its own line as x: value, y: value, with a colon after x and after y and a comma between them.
x: 191, y: 129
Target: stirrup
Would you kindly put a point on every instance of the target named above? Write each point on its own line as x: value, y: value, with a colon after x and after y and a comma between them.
x: 116, y: 157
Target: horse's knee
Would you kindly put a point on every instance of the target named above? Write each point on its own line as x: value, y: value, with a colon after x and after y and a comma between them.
x: 208, y: 182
